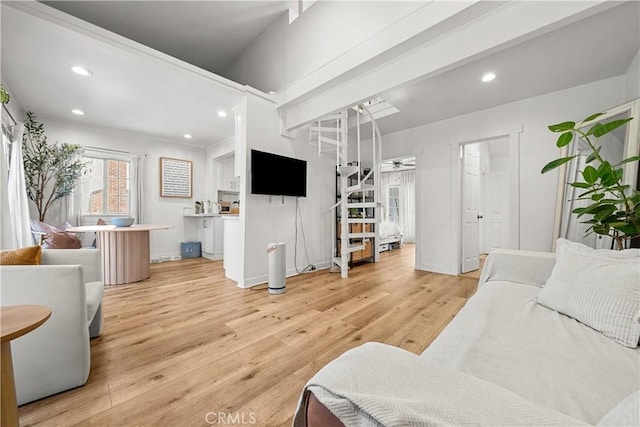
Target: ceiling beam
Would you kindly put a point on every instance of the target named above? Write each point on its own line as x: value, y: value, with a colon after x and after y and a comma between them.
x: 485, y: 30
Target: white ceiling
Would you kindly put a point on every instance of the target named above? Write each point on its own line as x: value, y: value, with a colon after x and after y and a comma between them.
x: 166, y: 97
x: 595, y: 48
x: 130, y: 88
x: 208, y: 34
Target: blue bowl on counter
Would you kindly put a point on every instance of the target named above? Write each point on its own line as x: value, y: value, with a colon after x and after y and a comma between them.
x: 122, y: 222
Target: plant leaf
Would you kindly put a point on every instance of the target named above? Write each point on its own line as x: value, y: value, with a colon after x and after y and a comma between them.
x: 604, y: 213
x: 564, y: 139
x: 604, y: 169
x: 605, y: 128
x: 597, y: 197
x: 590, y: 174
x: 555, y: 163
x: 601, y: 229
x: 592, y: 117
x: 579, y: 185
x: 628, y: 160
x: 593, y: 156
x: 562, y: 127
x: 579, y: 211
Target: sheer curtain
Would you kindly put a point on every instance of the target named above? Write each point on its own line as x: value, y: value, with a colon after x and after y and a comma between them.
x: 17, y: 190
x: 384, y: 195
x: 6, y: 230
x: 408, y: 204
x: 136, y: 191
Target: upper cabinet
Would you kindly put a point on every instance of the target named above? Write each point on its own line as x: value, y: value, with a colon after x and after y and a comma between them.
x: 227, y: 179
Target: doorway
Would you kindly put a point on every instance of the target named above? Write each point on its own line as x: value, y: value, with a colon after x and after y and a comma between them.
x: 487, y: 202
x: 398, y: 195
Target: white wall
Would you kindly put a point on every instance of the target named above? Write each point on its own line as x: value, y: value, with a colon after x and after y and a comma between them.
x: 274, y: 221
x: 632, y: 79
x: 287, y: 52
x: 157, y: 210
x: 537, y: 146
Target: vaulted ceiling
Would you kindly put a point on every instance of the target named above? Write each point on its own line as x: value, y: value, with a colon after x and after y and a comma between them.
x: 135, y: 88
x: 208, y: 34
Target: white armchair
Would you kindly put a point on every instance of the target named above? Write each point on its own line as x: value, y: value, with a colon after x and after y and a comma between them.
x: 56, y: 356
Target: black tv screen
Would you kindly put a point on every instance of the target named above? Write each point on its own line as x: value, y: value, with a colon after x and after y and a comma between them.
x: 277, y: 175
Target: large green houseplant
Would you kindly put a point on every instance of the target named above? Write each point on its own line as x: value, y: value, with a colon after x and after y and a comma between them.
x: 612, y: 207
x: 51, y: 171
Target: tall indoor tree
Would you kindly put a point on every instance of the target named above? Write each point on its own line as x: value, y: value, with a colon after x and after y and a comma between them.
x: 51, y: 170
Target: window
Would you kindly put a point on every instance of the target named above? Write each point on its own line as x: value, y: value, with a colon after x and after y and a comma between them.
x: 394, y: 204
x: 105, y: 187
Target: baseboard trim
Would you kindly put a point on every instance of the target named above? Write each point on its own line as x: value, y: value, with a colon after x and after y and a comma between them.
x: 438, y: 268
x: 264, y: 278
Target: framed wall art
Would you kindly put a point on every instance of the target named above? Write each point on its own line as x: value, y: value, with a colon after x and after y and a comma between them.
x: 176, y: 177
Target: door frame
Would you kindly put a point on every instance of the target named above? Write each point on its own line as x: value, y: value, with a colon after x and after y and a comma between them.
x: 418, y: 201
x: 514, y: 185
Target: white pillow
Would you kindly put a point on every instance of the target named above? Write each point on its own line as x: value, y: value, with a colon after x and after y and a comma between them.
x: 599, y: 288
x: 625, y: 413
x: 625, y: 254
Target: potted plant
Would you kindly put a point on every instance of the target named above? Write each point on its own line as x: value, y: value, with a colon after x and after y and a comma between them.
x: 51, y: 171
x: 612, y: 207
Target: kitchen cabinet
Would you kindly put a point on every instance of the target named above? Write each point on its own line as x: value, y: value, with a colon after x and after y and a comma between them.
x: 227, y: 180
x: 210, y: 231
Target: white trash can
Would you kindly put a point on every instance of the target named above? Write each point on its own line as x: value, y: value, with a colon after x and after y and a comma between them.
x: 277, y: 262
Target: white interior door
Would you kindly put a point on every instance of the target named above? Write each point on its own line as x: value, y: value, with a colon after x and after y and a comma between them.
x: 496, y: 216
x: 470, y: 208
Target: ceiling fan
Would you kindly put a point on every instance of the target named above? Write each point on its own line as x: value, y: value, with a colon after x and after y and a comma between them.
x: 403, y: 163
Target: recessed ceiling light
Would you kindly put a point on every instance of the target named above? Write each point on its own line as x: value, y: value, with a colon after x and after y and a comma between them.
x: 222, y: 113
x: 488, y: 77
x: 78, y: 112
x: 187, y: 136
x: 81, y: 70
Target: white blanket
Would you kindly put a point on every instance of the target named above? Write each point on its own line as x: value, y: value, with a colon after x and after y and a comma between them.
x: 380, y: 385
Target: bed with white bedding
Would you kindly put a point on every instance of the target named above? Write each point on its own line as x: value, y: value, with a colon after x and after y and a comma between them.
x: 391, y: 235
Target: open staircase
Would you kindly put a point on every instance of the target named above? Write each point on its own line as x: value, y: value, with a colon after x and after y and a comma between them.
x: 359, y: 187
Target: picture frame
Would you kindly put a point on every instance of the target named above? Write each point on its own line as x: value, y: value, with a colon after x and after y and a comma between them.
x: 176, y: 177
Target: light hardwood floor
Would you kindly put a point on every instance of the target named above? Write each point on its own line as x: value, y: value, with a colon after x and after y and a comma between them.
x: 188, y: 342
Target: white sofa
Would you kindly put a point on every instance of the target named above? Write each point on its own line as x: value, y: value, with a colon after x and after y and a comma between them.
x: 502, y: 350
x: 56, y: 356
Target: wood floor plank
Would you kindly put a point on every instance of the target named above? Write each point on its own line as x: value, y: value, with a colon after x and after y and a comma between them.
x: 187, y: 341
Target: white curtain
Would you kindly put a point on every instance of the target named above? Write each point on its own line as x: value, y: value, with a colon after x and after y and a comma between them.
x: 6, y: 230
x: 408, y: 204
x: 384, y: 195
x: 136, y: 184
x: 17, y: 191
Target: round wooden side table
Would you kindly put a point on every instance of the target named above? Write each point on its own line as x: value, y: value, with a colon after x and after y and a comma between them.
x: 15, y: 321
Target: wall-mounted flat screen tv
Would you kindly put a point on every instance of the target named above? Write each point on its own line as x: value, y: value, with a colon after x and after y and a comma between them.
x: 277, y: 175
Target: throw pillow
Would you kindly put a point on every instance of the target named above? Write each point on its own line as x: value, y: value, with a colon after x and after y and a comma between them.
x: 598, y: 288
x: 627, y: 253
x: 31, y: 255
x: 55, y: 237
x: 625, y: 413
